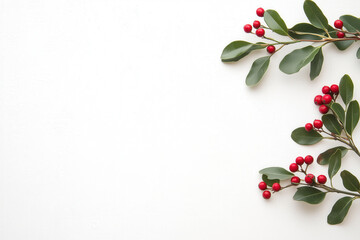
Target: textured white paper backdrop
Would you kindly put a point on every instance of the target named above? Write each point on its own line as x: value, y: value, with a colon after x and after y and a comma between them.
x: 119, y: 121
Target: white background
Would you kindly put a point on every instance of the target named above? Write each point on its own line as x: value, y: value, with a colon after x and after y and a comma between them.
x: 119, y: 121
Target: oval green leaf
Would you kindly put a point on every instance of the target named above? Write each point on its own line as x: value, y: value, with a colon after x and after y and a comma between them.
x: 341, y: 45
x: 351, y: 23
x: 276, y: 173
x: 315, y: 15
x: 346, y: 88
x: 306, y: 31
x: 275, y: 22
x: 238, y: 49
x: 334, y: 164
x: 316, y: 64
x: 331, y: 123
x: 268, y: 181
x: 350, y: 182
x: 339, y: 210
x: 309, y: 194
x: 352, y: 116
x: 257, y: 70
x: 297, y: 59
x: 339, y: 111
x: 323, y: 158
x: 303, y: 137
x: 358, y: 54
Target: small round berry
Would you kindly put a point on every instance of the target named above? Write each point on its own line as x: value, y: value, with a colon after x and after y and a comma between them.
x: 266, y: 194
x: 334, y: 88
x: 323, y: 109
x: 247, y: 28
x: 318, y: 100
x: 326, y: 99
x: 340, y: 34
x: 270, y: 49
x: 325, y: 90
x: 338, y: 24
x: 260, y: 32
x: 276, y: 187
x: 321, y: 179
x: 293, y: 167
x: 260, y: 12
x: 309, y: 178
x: 318, y: 123
x: 308, y: 127
x: 299, y: 161
x: 295, y: 180
x: 256, y: 24
x: 309, y: 159
x: 262, y: 186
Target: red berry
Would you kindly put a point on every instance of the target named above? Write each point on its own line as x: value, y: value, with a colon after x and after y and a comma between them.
x: 325, y: 90
x: 256, y: 24
x: 293, y: 167
x: 326, y: 99
x: 276, y: 187
x: 318, y: 123
x: 266, y: 194
x: 309, y: 159
x: 270, y: 49
x: 262, y: 186
x: 323, y: 109
x: 338, y: 24
x: 295, y: 180
x: 308, y: 127
x: 260, y: 32
x: 318, y: 100
x: 321, y: 179
x: 247, y: 28
x: 340, y: 34
x: 334, y: 88
x: 299, y: 161
x: 309, y: 178
x: 260, y: 12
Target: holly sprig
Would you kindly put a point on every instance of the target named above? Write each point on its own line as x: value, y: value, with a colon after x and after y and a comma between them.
x: 337, y: 123
x: 318, y: 33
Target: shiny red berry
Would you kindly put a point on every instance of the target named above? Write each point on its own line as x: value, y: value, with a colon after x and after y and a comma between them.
x: 338, y: 24
x: 266, y: 194
x: 325, y: 89
x: 326, y: 99
x: 318, y: 123
x: 270, y: 49
x: 299, y: 161
x: 295, y: 180
x: 318, y: 100
x: 262, y: 186
x: 340, y: 34
x: 247, y: 28
x: 260, y: 32
x: 321, y: 179
x: 308, y: 127
x: 260, y: 12
x: 309, y: 178
x: 334, y: 88
x: 323, y: 109
x: 293, y: 167
x: 256, y: 24
x: 309, y: 159
x: 276, y: 187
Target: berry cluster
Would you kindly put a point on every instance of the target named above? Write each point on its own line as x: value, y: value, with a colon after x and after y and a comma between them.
x: 339, y: 25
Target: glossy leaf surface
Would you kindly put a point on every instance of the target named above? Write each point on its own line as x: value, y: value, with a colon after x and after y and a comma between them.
x: 331, y: 123
x: 352, y: 116
x: 334, y: 164
x: 316, y: 64
x: 323, y: 158
x: 257, y: 70
x: 346, y: 88
x: 339, y: 210
x: 297, y: 59
x: 315, y: 15
x: 275, y: 22
x: 303, y: 137
x: 309, y: 194
x: 276, y: 173
x: 350, y: 182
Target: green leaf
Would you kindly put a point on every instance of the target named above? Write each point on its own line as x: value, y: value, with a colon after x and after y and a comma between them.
x: 275, y: 22
x: 257, y: 70
x: 334, y: 164
x: 315, y: 15
x: 350, y: 182
x: 297, y: 59
x: 303, y: 137
x: 339, y: 210
x: 331, y: 123
x: 238, y: 49
x: 341, y: 45
x: 346, y: 89
x: 352, y: 116
x: 358, y: 54
x: 339, y: 111
x: 316, y: 64
x: 323, y: 158
x: 302, y: 30
x: 309, y: 194
x: 351, y: 23
x: 276, y: 173
x: 268, y: 181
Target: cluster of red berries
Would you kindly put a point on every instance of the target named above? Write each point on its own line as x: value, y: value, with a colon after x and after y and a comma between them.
x: 260, y: 32
x: 323, y: 100
x: 339, y: 24
x: 266, y: 193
